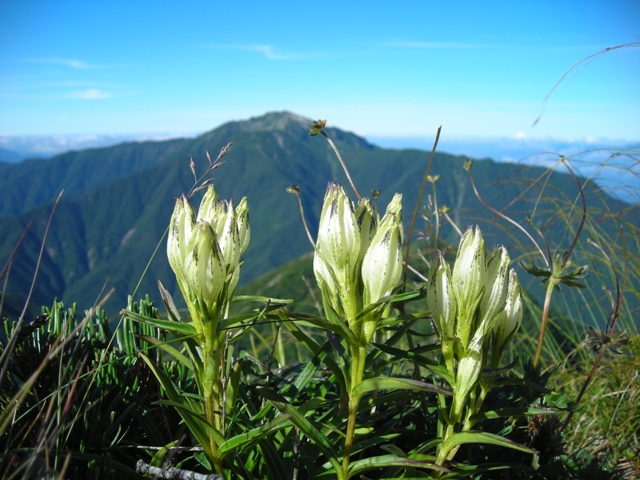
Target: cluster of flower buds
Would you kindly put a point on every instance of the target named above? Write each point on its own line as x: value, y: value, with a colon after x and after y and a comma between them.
x: 475, y: 305
x: 204, y: 252
x: 358, y: 258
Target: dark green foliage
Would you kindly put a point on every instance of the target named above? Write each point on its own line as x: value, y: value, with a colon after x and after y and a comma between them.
x: 93, y: 400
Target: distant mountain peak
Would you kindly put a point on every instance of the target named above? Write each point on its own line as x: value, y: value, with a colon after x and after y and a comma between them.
x: 287, y: 122
x: 275, y: 121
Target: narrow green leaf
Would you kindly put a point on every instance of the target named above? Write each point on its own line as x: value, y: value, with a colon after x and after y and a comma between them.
x: 169, y: 304
x: 158, y: 458
x: 492, y: 372
x: 365, y: 442
x: 273, y: 461
x: 252, y: 435
x: 169, y: 349
x: 483, y: 437
x: 425, y: 447
x: 337, y: 327
x: 184, y: 329
x: 299, y: 421
x: 429, y: 364
x: 522, y: 383
x: 358, y: 467
x: 510, y: 412
x: 407, y: 296
x: 397, y: 335
x: 190, y: 418
x: 387, y: 383
x: 321, y: 354
x: 275, y: 302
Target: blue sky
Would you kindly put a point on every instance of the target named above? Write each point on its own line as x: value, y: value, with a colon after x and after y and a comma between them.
x: 379, y: 69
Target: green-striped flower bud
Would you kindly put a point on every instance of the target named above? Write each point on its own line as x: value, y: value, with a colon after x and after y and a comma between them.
x: 338, y: 247
x: 181, y: 227
x: 469, y: 277
x: 469, y: 369
x: 209, y: 209
x: 382, y: 263
x: 242, y: 223
x: 328, y: 286
x: 367, y: 220
x: 205, y: 269
x: 511, y: 316
x: 231, y: 228
x: 212, y: 254
x: 242, y: 218
x: 441, y: 299
x: 442, y: 305
x: 229, y: 237
x: 495, y: 291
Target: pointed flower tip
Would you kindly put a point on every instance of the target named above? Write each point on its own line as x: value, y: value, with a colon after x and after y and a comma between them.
x: 470, y: 270
x: 206, y: 273
x: 382, y: 263
x: 180, y: 229
x: 495, y: 290
x: 367, y: 220
x: 511, y: 316
x: 338, y: 243
x: 441, y: 298
x: 395, y: 205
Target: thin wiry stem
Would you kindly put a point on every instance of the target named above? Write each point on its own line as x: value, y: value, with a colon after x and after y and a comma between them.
x: 545, y: 317
x: 14, y: 338
x: 416, y: 272
x: 295, y: 189
x: 576, y: 65
x: 56, y: 347
x: 584, y: 210
x: 452, y: 223
x: 418, y: 200
x: 505, y: 217
x: 344, y: 165
x: 611, y: 323
x: 44, y: 239
x: 436, y: 212
x: 15, y: 249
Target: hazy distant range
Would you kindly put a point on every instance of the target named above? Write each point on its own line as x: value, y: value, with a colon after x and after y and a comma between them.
x: 620, y: 175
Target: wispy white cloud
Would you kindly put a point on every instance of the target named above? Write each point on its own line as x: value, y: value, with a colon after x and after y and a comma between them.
x: 80, y: 84
x: 72, y: 63
x: 420, y: 45
x: 67, y: 62
x: 50, y: 89
x: 269, y: 52
x: 58, y: 94
x: 90, y: 94
x: 434, y: 45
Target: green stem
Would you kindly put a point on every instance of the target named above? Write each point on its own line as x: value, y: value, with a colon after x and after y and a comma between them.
x: 545, y: 315
x: 442, y: 455
x: 473, y: 405
x: 358, y: 358
x: 211, y: 388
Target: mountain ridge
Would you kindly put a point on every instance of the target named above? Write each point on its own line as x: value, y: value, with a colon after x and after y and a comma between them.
x: 109, y: 229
